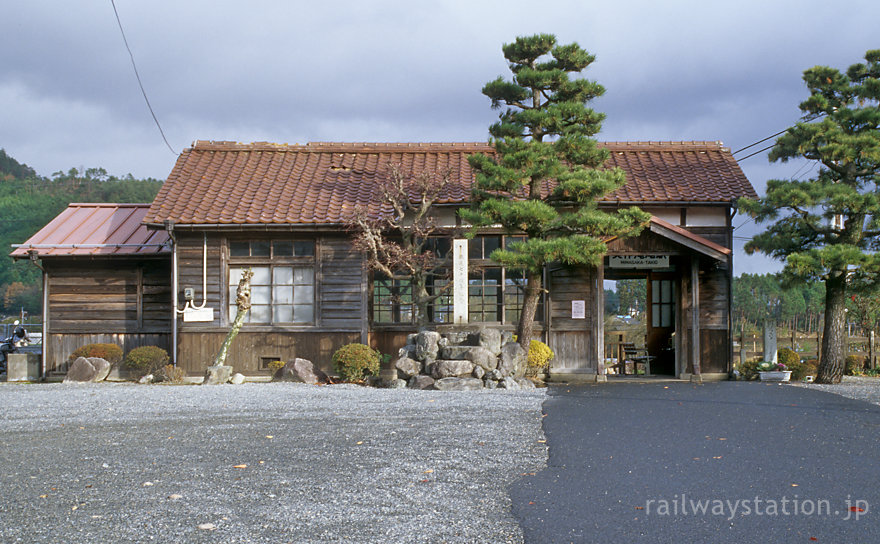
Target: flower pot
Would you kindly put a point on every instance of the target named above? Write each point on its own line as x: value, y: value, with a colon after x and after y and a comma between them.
x: 775, y: 376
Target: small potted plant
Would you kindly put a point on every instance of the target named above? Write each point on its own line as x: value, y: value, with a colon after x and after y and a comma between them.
x: 773, y: 372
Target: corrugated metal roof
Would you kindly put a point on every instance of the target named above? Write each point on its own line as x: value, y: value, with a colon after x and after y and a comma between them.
x: 97, y: 230
x: 229, y: 183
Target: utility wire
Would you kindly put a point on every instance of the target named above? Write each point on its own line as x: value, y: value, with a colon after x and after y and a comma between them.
x: 138, y: 76
x: 760, y: 141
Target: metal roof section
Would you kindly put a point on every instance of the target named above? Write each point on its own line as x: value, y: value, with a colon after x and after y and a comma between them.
x: 96, y: 230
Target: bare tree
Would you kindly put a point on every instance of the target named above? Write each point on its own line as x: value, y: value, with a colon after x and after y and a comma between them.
x: 401, y: 240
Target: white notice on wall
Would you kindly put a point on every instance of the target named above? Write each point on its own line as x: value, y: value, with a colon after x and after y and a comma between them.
x: 460, y: 281
x: 578, y: 309
x: 196, y: 315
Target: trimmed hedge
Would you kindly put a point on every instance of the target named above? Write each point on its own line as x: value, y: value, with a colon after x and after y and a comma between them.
x: 147, y: 359
x: 540, y: 356
x: 109, y: 352
x: 355, y: 361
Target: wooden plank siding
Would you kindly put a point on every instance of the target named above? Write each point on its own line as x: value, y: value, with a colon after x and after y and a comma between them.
x: 121, y: 301
x: 339, y: 301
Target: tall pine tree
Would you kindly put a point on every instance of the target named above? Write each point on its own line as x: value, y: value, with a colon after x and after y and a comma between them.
x: 547, y: 172
x: 828, y: 228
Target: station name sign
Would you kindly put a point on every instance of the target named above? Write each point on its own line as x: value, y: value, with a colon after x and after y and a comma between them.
x: 638, y: 261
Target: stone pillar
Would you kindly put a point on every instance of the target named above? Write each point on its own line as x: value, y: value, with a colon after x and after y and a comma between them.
x: 460, y: 281
x: 770, y: 341
x: 22, y: 367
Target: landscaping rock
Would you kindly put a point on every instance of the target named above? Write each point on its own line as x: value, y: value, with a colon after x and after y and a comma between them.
x: 525, y: 383
x: 303, y: 371
x: 458, y: 384
x: 478, y: 372
x: 450, y: 368
x: 217, y: 374
x: 397, y: 384
x: 483, y: 357
x: 411, y: 339
x: 146, y: 379
x: 93, y: 369
x: 494, y: 375
x: 454, y: 352
x: 456, y: 337
x: 408, y: 351
x: 490, y: 339
x: 426, y: 345
x: 509, y: 383
x: 237, y: 379
x: 407, y: 368
x: 421, y: 382
x: 490, y: 384
x: 513, y: 360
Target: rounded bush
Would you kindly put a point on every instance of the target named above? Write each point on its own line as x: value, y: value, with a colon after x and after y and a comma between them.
x: 791, y: 360
x: 855, y: 365
x: 807, y: 368
x: 109, y: 352
x: 147, y: 359
x: 355, y: 361
x: 540, y: 356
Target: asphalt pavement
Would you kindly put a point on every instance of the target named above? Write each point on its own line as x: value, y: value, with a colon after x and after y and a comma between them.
x: 721, y: 462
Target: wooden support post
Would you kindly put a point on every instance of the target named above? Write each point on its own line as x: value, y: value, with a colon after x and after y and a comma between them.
x: 695, y: 319
x: 743, y: 357
x: 871, y: 350
x: 599, y: 312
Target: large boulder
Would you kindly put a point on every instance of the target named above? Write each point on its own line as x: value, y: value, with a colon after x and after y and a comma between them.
x: 421, y: 382
x: 93, y: 369
x: 450, y: 368
x: 525, y: 383
x: 302, y: 371
x: 237, y: 379
x: 513, y: 360
x: 509, y: 383
x: 456, y: 337
x: 489, y: 338
x: 407, y: 368
x: 426, y: 345
x: 458, y: 384
x: 454, y: 351
x: 217, y: 375
x: 482, y: 357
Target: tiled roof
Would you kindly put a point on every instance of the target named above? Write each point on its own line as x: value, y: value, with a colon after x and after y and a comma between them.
x: 217, y: 183
x: 96, y: 230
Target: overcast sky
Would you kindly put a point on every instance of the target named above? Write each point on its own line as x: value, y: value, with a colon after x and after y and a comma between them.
x: 294, y: 72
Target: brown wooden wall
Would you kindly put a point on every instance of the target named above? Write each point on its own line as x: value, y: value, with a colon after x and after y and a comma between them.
x: 115, y: 300
x: 340, y: 307
x: 197, y: 350
x: 572, y: 340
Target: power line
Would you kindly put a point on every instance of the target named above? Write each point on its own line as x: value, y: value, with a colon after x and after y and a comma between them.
x: 758, y: 151
x: 138, y: 76
x: 760, y: 141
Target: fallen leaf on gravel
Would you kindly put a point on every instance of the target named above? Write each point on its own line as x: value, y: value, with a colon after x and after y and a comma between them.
x: 147, y: 484
x: 175, y: 497
x: 425, y: 481
x: 531, y: 502
x: 431, y: 400
x: 541, y: 441
x: 719, y: 457
x: 269, y: 436
x: 640, y: 507
x: 794, y: 485
x: 813, y: 538
x: 239, y: 466
x: 74, y: 507
x: 207, y: 526
x: 856, y: 509
x: 359, y: 443
x: 429, y: 471
x: 696, y: 458
x: 43, y: 496
x: 262, y: 462
x: 722, y: 439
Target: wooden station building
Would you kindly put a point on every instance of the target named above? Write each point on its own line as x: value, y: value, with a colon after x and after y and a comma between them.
x: 281, y: 210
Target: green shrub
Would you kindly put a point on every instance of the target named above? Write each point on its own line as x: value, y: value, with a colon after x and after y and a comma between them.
x: 275, y: 366
x: 355, y: 361
x: 855, y: 365
x: 791, y: 360
x: 807, y: 368
x: 540, y: 356
x: 749, y: 369
x: 109, y: 352
x: 147, y: 359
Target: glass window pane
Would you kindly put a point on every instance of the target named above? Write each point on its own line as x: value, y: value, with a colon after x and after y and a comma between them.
x: 282, y: 313
x: 239, y: 249
x: 655, y: 315
x: 261, y: 276
x: 260, y: 294
x: 282, y: 248
x: 304, y: 295
x: 655, y: 290
x: 303, y: 276
x: 282, y: 275
x: 666, y: 315
x: 493, y: 276
x: 490, y: 244
x: 304, y: 248
x: 232, y: 293
x: 259, y: 249
x: 475, y: 248
x: 259, y: 313
x: 303, y: 313
x: 666, y: 291
x: 234, y: 276
x: 232, y: 311
x: 282, y: 295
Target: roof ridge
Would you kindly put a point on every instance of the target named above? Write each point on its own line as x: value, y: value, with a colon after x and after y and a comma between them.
x: 211, y: 145
x: 109, y: 205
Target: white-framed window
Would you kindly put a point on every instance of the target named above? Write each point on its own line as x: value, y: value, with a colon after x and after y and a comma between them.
x: 283, y: 284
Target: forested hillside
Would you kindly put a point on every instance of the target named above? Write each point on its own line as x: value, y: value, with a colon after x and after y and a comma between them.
x: 28, y: 201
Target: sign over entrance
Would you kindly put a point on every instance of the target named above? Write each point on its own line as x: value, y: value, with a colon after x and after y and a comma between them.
x: 638, y: 261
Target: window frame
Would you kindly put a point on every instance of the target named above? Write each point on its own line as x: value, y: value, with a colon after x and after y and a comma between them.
x: 276, y: 259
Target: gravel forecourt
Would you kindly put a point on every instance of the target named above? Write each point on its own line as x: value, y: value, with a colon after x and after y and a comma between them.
x: 263, y: 462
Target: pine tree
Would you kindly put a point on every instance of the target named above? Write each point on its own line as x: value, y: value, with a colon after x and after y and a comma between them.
x: 546, y: 174
x: 828, y: 228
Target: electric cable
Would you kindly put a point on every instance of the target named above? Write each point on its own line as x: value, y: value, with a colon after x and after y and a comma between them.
x: 138, y: 76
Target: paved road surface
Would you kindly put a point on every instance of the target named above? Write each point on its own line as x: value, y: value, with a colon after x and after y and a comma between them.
x: 625, y: 458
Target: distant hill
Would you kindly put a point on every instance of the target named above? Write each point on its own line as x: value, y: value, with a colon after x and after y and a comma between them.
x: 28, y: 201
